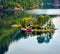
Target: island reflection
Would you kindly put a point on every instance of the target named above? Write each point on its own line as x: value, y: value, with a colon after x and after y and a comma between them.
x: 41, y: 38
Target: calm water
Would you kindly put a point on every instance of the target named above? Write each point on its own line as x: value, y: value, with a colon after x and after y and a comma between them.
x: 44, y: 11
x: 31, y: 44
x: 35, y: 45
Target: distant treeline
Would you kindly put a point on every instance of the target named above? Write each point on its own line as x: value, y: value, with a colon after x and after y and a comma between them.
x: 25, y: 4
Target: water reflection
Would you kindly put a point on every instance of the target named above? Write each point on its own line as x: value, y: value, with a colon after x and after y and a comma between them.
x: 45, y: 37
x: 6, y: 41
x: 3, y: 48
x: 44, y: 11
x: 21, y: 35
x: 41, y: 38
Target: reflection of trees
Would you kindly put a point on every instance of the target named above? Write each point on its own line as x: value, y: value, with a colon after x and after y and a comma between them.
x: 21, y: 35
x: 45, y: 38
x: 6, y: 20
x: 40, y: 39
x: 3, y: 48
x: 4, y: 44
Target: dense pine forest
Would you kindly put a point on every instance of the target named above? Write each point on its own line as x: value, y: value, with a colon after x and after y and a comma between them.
x: 23, y: 4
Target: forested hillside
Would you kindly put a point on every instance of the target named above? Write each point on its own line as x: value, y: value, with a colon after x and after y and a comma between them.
x: 23, y: 4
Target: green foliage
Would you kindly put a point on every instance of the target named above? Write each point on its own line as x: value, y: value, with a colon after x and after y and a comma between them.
x: 25, y: 21
x: 25, y: 4
x: 36, y: 27
x: 11, y: 5
x: 41, y: 20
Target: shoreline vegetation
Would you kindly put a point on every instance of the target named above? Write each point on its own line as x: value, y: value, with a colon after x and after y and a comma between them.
x: 11, y: 21
x: 9, y: 5
x: 36, y: 24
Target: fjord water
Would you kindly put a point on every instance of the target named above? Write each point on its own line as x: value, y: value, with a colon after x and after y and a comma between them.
x: 32, y: 44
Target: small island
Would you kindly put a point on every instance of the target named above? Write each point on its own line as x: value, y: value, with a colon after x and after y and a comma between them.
x: 41, y: 23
